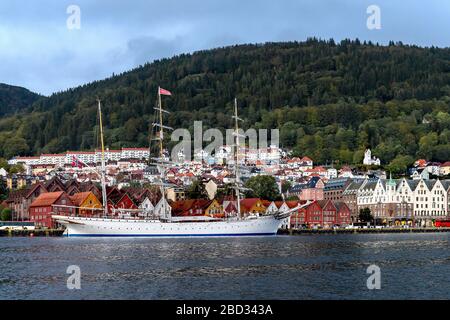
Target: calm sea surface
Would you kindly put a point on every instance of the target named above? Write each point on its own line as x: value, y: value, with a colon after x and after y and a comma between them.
x: 413, y: 266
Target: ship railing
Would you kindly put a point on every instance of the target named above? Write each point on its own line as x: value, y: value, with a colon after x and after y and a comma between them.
x: 90, y: 212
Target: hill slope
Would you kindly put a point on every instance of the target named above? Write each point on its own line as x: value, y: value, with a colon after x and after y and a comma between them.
x: 14, y: 99
x: 329, y: 100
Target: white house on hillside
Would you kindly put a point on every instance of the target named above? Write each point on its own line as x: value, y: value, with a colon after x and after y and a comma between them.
x: 369, y: 160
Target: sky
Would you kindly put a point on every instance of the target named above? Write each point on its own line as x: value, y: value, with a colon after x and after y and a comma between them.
x: 40, y: 52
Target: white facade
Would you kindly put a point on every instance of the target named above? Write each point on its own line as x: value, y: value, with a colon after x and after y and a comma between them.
x: 147, y: 207
x: 430, y: 199
x: 369, y: 160
x: 87, y: 157
x: 425, y: 199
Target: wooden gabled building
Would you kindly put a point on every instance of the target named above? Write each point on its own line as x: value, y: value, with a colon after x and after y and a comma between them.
x: 42, y: 208
x: 19, y: 201
x: 86, y: 202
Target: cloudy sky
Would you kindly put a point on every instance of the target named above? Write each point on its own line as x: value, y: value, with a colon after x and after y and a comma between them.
x: 38, y: 51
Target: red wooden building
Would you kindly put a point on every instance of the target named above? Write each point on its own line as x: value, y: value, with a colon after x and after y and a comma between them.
x: 322, y: 213
x: 343, y: 214
x: 125, y: 202
x: 42, y: 208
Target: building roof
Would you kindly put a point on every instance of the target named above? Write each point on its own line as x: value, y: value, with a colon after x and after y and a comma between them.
x: 182, y: 207
x: 412, y: 184
x: 336, y: 184
x: 249, y: 202
x: 291, y: 204
x: 78, y: 198
x: 47, y: 199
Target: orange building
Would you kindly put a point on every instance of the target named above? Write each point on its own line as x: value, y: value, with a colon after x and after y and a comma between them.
x: 86, y: 201
x: 215, y: 209
x: 252, y: 205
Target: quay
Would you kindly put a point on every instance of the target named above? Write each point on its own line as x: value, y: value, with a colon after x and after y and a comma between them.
x: 32, y: 233
x: 290, y: 232
x: 359, y: 230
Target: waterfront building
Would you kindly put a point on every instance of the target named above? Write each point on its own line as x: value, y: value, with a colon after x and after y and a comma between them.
x: 125, y: 202
x: 86, y: 203
x: 405, y: 201
x: 47, y: 204
x: 19, y: 201
x: 312, y: 190
x: 334, y: 188
x: 322, y: 213
x: 350, y: 197
x: 430, y: 201
x: 252, y: 206
x: 146, y: 206
x: 192, y: 207
x: 384, y: 202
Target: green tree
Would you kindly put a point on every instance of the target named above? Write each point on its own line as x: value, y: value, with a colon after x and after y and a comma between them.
x: 226, y: 190
x: 264, y: 187
x: 16, y: 168
x: 3, y: 190
x: 285, y: 186
x: 365, y: 215
x: 196, y: 191
x: 400, y: 164
x: 427, y: 144
x: 6, y: 214
x: 15, y: 146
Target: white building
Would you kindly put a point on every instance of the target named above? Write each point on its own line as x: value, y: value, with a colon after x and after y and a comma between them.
x: 369, y: 160
x: 421, y: 201
x: 62, y: 159
x: 430, y: 200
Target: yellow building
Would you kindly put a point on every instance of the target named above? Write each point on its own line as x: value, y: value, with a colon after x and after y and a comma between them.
x: 252, y: 205
x: 214, y: 209
x: 86, y: 201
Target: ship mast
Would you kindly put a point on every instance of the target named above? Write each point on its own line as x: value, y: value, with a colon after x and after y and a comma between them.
x: 236, y: 165
x: 160, y: 161
x: 161, y: 130
x: 103, y: 169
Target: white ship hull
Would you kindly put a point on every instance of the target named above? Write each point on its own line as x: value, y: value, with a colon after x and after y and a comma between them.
x: 100, y: 227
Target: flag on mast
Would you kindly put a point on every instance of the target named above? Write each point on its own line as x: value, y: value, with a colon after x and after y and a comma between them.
x: 76, y: 162
x: 164, y: 92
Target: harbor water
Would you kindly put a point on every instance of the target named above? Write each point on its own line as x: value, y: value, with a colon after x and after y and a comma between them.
x: 412, y: 266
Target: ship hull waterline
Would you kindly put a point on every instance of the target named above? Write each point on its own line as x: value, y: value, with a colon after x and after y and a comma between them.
x: 101, y: 227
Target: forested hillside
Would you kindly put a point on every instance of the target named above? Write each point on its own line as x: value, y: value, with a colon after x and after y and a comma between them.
x: 329, y: 100
x: 14, y: 99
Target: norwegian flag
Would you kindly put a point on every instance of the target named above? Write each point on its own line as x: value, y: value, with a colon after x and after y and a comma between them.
x: 76, y: 162
x: 164, y: 92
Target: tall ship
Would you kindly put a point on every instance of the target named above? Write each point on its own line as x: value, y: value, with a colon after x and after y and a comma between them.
x: 108, y: 224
